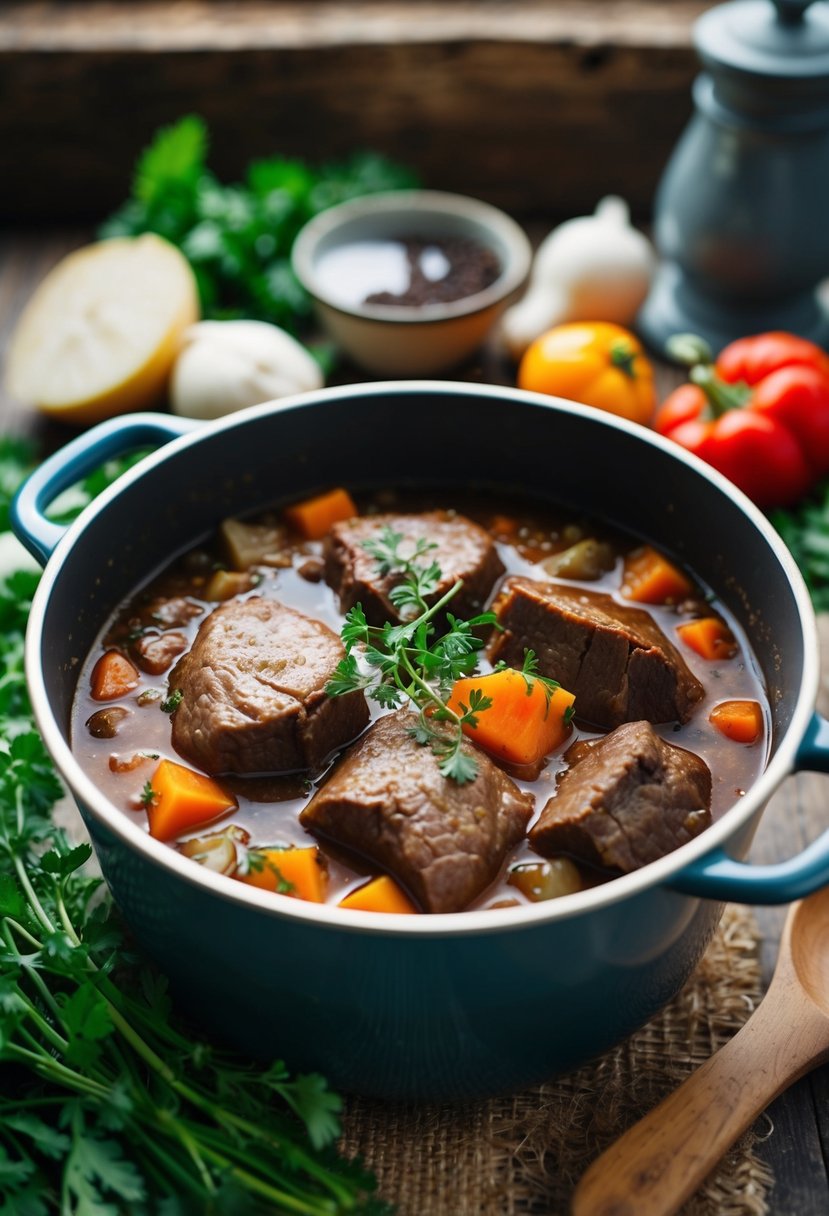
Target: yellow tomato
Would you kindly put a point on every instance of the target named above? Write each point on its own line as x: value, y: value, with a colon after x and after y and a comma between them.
x: 594, y: 362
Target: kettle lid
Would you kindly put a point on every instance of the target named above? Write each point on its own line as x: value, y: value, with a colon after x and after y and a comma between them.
x: 786, y: 39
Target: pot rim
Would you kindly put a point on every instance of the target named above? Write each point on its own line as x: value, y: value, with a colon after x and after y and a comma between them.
x: 455, y: 924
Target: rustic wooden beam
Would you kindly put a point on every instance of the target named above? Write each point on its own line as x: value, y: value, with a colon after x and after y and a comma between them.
x: 540, y: 106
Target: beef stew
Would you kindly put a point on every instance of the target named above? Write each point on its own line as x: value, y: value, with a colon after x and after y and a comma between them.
x: 223, y: 666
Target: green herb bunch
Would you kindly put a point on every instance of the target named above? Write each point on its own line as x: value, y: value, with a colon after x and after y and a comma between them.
x: 411, y: 662
x: 238, y: 238
x: 110, y: 1106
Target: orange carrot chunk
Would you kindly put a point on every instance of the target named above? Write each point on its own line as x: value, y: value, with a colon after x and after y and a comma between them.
x: 113, y: 676
x: 380, y: 895
x: 741, y: 721
x: 294, y: 871
x: 313, y: 518
x: 709, y: 637
x: 649, y: 578
x: 180, y: 800
x: 526, y: 721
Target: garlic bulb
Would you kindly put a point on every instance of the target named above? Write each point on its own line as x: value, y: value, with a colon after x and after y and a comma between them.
x: 228, y: 365
x: 594, y: 268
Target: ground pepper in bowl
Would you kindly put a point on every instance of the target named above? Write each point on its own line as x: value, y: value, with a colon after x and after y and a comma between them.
x: 439, y: 271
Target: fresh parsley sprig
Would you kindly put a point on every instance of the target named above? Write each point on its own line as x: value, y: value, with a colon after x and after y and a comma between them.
x: 396, y: 664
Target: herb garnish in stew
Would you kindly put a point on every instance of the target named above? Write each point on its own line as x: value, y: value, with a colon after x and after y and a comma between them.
x: 408, y: 661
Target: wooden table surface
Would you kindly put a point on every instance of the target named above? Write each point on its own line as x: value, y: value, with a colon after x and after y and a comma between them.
x: 796, y: 1125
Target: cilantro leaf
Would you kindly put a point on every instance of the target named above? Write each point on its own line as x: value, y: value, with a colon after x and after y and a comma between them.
x: 48, y: 1139
x: 175, y: 159
x: 87, y: 1021
x: 96, y: 1167
x: 54, y: 862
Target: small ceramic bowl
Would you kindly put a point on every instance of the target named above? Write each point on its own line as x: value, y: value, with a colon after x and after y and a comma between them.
x: 407, y: 339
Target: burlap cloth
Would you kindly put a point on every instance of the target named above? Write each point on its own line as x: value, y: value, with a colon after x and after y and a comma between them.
x: 523, y: 1154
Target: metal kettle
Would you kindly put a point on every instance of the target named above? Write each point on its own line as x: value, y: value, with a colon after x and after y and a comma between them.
x: 742, y: 211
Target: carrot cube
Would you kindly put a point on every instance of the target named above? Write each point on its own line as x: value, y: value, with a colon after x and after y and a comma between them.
x: 181, y: 799
x: 526, y: 720
x: 296, y: 871
x: 113, y: 676
x: 380, y: 895
x: 649, y: 578
x: 741, y: 721
x: 709, y: 637
x: 314, y: 517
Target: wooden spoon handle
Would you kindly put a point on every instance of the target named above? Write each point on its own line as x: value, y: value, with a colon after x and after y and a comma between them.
x: 662, y: 1160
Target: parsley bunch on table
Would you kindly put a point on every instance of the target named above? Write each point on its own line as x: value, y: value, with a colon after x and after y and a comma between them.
x: 238, y: 238
x: 109, y: 1106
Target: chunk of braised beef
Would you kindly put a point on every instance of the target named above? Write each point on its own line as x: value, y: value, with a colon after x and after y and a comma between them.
x: 626, y: 800
x: 614, y: 658
x: 155, y: 652
x: 312, y: 570
x: 462, y: 550
x: 387, y: 802
x: 253, y: 697
x: 171, y: 612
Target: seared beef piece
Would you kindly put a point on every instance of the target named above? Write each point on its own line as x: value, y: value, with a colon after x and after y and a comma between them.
x: 614, y: 658
x: 444, y: 842
x: 462, y: 550
x: 154, y: 652
x: 253, y: 692
x: 627, y: 800
x: 171, y: 611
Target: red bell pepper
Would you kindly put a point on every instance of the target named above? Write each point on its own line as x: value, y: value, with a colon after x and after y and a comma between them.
x: 760, y: 414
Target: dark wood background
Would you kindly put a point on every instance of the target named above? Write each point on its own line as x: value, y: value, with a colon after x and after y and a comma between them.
x: 535, y: 105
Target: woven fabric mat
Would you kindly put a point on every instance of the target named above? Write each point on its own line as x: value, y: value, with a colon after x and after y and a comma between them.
x: 522, y: 1155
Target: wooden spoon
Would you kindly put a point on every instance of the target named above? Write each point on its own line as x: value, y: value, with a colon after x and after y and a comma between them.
x: 662, y: 1160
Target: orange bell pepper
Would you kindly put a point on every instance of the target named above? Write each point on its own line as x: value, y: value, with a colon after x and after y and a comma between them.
x: 594, y: 362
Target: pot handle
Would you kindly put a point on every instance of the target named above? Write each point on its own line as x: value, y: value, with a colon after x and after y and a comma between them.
x: 718, y: 876
x: 71, y: 463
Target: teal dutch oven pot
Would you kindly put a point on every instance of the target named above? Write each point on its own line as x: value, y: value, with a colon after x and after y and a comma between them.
x: 425, y: 1007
